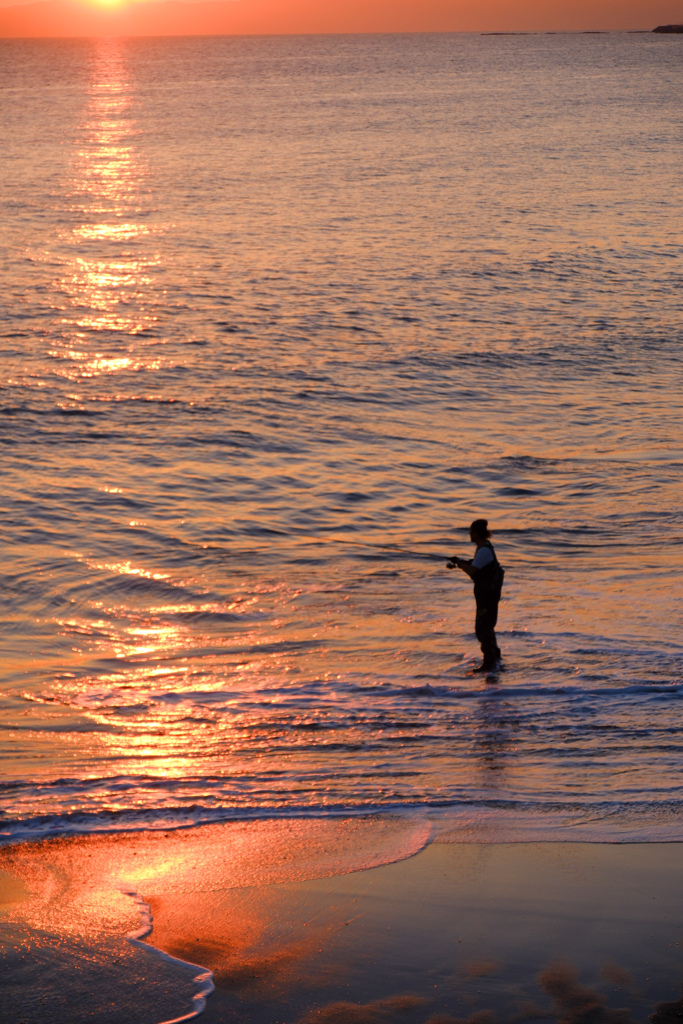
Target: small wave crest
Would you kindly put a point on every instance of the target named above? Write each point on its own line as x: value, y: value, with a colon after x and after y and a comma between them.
x: 203, y: 980
x: 639, y: 820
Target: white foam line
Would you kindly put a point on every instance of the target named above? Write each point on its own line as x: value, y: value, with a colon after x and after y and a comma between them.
x: 205, y: 977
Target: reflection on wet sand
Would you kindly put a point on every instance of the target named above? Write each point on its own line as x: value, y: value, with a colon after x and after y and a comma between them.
x: 292, y: 932
x: 75, y: 894
x: 481, y: 934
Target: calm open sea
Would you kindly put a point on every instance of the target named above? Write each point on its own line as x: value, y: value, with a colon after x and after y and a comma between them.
x: 280, y: 317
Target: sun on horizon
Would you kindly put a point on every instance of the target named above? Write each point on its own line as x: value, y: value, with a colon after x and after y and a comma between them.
x: 108, y: 4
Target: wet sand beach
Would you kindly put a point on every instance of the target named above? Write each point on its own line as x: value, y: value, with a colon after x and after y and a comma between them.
x: 292, y: 933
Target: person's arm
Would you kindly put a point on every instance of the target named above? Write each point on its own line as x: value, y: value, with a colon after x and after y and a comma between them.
x: 463, y: 563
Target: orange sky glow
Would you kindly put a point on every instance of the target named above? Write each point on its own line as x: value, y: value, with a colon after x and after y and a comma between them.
x: 227, y: 17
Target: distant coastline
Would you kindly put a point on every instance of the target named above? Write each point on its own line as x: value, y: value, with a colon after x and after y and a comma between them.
x: 672, y: 29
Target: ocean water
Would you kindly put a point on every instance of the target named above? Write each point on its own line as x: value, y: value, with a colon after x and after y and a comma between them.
x: 280, y: 317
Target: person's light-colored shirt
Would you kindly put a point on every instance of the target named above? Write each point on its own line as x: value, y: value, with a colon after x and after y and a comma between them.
x: 483, y: 556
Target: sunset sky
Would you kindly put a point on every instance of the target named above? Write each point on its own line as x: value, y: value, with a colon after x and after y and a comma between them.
x: 173, y: 17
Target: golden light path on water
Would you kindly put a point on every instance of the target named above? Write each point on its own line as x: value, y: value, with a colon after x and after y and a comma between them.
x: 106, y: 293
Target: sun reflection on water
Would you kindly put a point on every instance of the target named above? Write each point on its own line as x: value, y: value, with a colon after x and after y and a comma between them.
x: 106, y: 290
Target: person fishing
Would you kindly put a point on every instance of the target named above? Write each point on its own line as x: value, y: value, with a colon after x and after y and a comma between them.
x: 487, y: 574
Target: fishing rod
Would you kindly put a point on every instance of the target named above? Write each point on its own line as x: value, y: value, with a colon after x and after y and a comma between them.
x: 427, y: 555
x: 391, y: 548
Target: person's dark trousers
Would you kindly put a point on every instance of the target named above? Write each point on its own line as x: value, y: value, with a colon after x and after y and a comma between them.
x: 485, y: 628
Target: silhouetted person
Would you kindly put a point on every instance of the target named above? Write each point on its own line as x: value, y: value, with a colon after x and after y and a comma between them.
x: 487, y: 574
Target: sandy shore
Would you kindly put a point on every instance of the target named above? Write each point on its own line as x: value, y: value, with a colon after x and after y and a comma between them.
x: 307, y: 922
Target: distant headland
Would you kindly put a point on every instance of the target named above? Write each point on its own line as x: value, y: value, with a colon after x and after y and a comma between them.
x: 668, y: 28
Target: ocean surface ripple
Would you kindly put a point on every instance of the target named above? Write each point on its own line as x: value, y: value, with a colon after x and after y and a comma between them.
x: 282, y: 316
